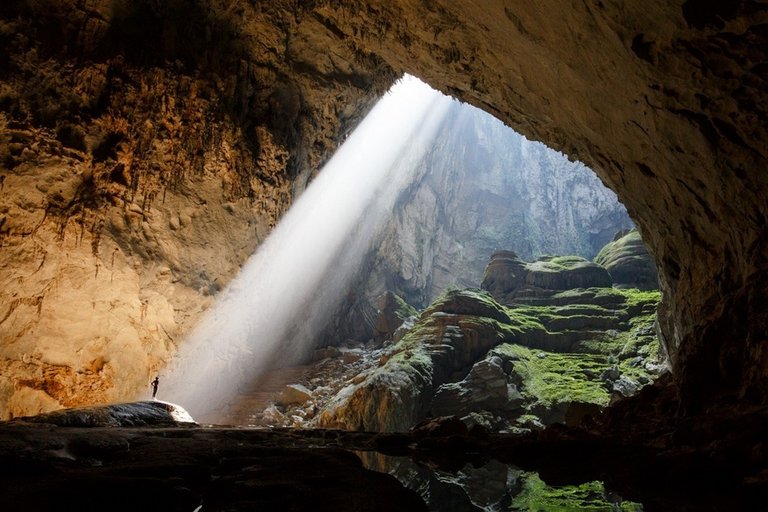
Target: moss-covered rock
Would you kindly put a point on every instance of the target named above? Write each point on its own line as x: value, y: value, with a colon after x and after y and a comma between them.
x: 628, y: 262
x: 517, y: 366
x: 507, y: 277
x: 536, y: 496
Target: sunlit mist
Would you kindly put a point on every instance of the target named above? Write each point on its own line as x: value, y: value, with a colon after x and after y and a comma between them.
x: 286, y: 291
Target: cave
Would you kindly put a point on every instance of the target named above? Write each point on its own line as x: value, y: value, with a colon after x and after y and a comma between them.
x: 147, y: 148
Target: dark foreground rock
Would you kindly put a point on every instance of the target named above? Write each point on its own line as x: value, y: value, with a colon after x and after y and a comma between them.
x: 134, y: 414
x: 664, y: 465
x: 181, y: 469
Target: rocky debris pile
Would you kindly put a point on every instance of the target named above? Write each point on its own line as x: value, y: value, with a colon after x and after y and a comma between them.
x: 628, y: 262
x: 148, y: 413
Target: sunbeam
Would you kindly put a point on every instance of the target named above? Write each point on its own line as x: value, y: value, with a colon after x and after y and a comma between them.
x: 285, y: 292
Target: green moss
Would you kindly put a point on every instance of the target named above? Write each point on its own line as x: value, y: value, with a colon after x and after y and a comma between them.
x: 550, y: 378
x: 404, y: 310
x: 536, y: 496
x: 557, y: 263
x: 645, y: 301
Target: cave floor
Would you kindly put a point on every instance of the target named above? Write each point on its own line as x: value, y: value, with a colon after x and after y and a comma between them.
x: 219, y: 468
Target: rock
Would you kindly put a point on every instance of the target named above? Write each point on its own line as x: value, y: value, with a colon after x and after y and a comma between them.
x: 625, y: 386
x: 294, y: 394
x: 565, y: 273
x: 507, y: 276
x: 468, y: 302
x: 134, y: 414
x: 628, y: 262
x: 273, y: 416
x: 326, y: 353
x: 485, y: 388
x: 406, y: 326
x: 611, y: 374
x: 392, y: 312
x: 504, y: 273
x: 442, y: 426
x: 350, y: 356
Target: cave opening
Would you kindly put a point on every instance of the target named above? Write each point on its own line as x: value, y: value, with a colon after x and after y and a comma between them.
x: 460, y: 216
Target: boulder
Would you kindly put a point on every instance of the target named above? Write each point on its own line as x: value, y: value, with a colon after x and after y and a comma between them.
x: 627, y: 261
x: 485, y: 388
x: 294, y: 394
x: 147, y: 413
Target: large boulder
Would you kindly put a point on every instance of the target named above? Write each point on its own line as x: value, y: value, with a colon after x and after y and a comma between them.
x: 147, y: 413
x: 507, y: 276
x: 628, y: 262
x: 566, y: 273
x: 485, y: 388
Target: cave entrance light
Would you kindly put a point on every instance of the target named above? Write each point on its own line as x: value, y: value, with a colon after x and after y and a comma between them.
x: 288, y: 288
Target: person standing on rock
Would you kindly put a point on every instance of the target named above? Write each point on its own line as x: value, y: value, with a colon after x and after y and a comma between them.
x: 155, y: 384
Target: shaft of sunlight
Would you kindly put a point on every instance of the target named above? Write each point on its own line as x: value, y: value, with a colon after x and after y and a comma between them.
x: 283, y: 295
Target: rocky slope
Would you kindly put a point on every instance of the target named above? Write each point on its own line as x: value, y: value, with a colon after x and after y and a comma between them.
x: 559, y: 347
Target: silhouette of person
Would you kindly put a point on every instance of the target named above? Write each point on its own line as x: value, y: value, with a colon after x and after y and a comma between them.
x: 155, y: 384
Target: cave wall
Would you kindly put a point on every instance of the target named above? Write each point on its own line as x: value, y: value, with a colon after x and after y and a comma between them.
x: 146, y: 148
x: 219, y: 111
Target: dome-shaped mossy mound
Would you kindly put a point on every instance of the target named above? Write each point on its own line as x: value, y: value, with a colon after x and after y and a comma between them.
x: 628, y: 262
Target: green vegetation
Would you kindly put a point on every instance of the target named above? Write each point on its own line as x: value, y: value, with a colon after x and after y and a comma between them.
x: 404, y: 310
x: 557, y: 263
x: 536, y: 496
x: 585, y: 332
x: 550, y: 378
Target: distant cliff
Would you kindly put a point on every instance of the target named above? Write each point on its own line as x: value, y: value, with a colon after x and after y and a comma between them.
x: 484, y: 187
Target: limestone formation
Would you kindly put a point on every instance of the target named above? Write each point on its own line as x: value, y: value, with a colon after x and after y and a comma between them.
x: 542, y: 360
x: 507, y: 276
x: 483, y: 187
x: 147, y: 147
x: 628, y: 262
x: 140, y: 166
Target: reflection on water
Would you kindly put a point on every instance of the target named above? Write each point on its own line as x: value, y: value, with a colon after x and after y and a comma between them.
x: 494, y: 487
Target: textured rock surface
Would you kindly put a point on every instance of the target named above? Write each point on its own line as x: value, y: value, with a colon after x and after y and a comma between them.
x: 133, y: 414
x: 628, y: 262
x: 507, y: 276
x: 484, y: 187
x: 146, y: 149
x: 664, y: 100
x: 506, y: 368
